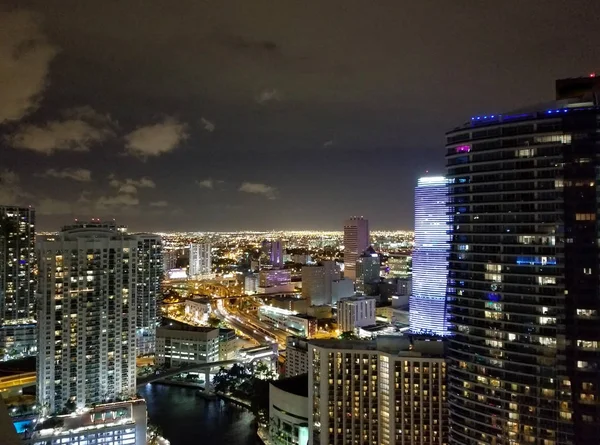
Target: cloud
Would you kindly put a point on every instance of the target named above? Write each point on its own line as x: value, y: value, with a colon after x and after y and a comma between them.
x: 206, y: 183
x: 25, y: 56
x: 159, y: 204
x: 11, y: 192
x: 50, y: 206
x: 79, y: 129
x: 129, y: 185
x: 157, y: 139
x: 327, y: 143
x: 207, y: 125
x: 259, y: 189
x: 240, y: 43
x: 269, y: 95
x: 76, y: 174
x: 125, y: 200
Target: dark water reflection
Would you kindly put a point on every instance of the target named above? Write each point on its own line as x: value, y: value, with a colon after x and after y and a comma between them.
x: 187, y: 419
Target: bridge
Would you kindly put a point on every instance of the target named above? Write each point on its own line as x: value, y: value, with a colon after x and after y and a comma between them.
x: 171, y: 372
x: 16, y: 382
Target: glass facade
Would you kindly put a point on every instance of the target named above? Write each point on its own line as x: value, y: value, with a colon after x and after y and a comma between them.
x: 523, y: 292
x: 429, y: 264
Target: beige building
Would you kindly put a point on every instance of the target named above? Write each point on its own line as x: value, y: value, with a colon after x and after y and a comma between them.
x: 185, y: 344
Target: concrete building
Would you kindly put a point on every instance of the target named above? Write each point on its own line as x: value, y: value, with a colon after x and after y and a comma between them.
x: 317, y: 282
x: 368, y: 268
x: 288, y: 411
x: 289, y: 303
x: 343, y: 288
x: 386, y: 391
x: 197, y: 308
x: 119, y: 423
x: 149, y: 276
x: 17, y: 282
x: 185, y: 344
x: 228, y: 344
x: 356, y: 240
x: 399, y: 265
x: 200, y: 261
x: 275, y: 280
x: 169, y: 260
x: 87, y: 315
x: 251, y: 283
x: 356, y: 312
x: 296, y: 349
x: 298, y: 324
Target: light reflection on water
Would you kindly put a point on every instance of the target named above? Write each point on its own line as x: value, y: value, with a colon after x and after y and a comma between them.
x: 187, y: 419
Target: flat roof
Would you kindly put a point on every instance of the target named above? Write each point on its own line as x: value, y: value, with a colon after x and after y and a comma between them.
x: 297, y: 385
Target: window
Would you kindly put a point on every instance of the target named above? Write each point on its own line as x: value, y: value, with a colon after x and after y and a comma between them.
x: 525, y: 153
x: 587, y: 270
x: 586, y: 313
x: 588, y: 344
x: 585, y: 217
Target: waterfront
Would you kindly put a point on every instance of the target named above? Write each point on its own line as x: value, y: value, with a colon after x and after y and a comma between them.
x: 186, y: 419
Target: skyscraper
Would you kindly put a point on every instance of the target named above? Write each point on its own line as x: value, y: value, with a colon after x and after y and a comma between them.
x: 523, y: 293
x: 149, y: 271
x: 356, y: 240
x: 429, y: 260
x: 200, y: 261
x: 273, y: 250
x: 368, y: 268
x: 17, y: 282
x: 388, y: 391
x: 87, y: 313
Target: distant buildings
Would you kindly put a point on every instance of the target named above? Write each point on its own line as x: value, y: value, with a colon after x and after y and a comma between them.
x: 296, y: 350
x: 197, y: 308
x: 273, y: 251
x: 200, y: 261
x: 274, y: 280
x: 87, y: 315
x: 355, y: 312
x: 298, y: 324
x: 288, y: 411
x: 429, y: 259
x: 17, y: 282
x: 391, y: 390
x: 399, y: 265
x: 317, y: 282
x: 368, y: 268
x: 342, y: 288
x: 186, y: 344
x: 169, y: 260
x: 356, y: 240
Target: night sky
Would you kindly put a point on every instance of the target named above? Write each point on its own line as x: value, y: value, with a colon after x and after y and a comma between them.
x: 251, y: 114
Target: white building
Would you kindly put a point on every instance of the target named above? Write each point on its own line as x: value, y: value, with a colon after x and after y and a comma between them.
x: 288, y: 411
x: 340, y: 289
x: 149, y: 270
x: 200, y: 261
x: 119, y: 423
x: 197, y: 308
x: 387, y: 391
x: 86, y: 316
x: 251, y: 283
x: 356, y: 240
x: 185, y: 344
x: 355, y: 312
x: 317, y: 282
x: 296, y: 356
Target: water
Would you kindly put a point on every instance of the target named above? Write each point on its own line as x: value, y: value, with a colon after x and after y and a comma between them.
x: 186, y: 419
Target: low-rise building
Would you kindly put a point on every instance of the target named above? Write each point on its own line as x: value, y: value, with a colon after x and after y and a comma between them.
x: 296, y: 362
x: 356, y: 312
x: 288, y: 411
x: 228, y: 344
x: 384, y: 314
x: 299, y: 324
x: 118, y: 423
x: 320, y: 312
x: 197, y: 308
x: 185, y: 344
x: 290, y: 303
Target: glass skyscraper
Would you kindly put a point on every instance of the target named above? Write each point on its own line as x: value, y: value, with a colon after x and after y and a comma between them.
x: 429, y: 261
x: 524, y: 261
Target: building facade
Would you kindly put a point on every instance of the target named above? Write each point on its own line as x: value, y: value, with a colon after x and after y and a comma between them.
x: 356, y: 240
x: 288, y: 411
x: 200, y: 261
x: 524, y: 300
x: 317, y: 282
x: 273, y: 252
x: 86, y: 316
x: 17, y: 282
x: 368, y: 268
x: 429, y: 260
x: 355, y: 312
x: 296, y: 359
x: 150, y: 272
x: 186, y: 344
x: 390, y: 390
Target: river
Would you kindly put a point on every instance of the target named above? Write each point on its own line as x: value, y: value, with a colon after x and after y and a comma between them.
x: 186, y: 419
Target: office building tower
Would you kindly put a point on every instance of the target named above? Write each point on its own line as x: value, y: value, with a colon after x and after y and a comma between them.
x: 523, y: 294
x: 200, y: 261
x: 150, y: 272
x: 356, y: 312
x: 273, y: 252
x: 368, y: 268
x: 17, y: 282
x: 185, y: 344
x: 387, y: 391
x: 296, y: 358
x: 427, y: 304
x: 317, y: 282
x: 356, y: 240
x: 86, y: 316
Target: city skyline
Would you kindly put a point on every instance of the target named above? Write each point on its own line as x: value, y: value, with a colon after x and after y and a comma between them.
x: 234, y: 117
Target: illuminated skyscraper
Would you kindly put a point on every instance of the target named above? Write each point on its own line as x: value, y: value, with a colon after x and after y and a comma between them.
x: 200, y: 261
x: 17, y: 282
x: 524, y: 261
x: 356, y: 240
x: 428, y: 302
x: 273, y: 251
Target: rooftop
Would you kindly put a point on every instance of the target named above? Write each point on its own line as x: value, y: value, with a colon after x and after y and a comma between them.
x: 297, y: 385
x: 390, y: 344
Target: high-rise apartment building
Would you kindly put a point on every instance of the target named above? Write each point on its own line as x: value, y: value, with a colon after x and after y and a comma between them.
x: 296, y: 356
x: 200, y: 261
x: 386, y: 391
x: 429, y: 259
x: 17, y: 282
x: 86, y: 316
x: 150, y: 272
x: 368, y: 268
x: 523, y: 293
x: 355, y: 312
x: 317, y: 282
x: 356, y: 240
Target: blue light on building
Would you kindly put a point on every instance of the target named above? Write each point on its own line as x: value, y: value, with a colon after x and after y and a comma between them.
x: 427, y: 304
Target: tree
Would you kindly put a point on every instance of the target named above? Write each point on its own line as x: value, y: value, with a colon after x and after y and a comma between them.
x: 154, y: 433
x: 348, y: 335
